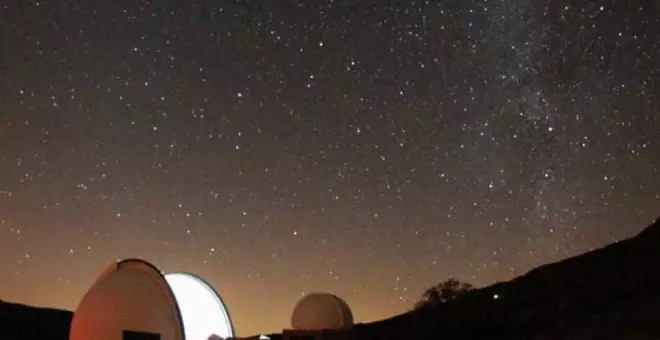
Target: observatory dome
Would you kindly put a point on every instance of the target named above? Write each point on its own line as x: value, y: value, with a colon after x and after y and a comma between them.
x: 203, y: 312
x: 133, y: 299
x: 321, y: 311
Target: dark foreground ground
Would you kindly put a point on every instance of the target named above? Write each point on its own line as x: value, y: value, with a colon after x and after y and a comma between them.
x: 20, y: 322
x: 609, y: 293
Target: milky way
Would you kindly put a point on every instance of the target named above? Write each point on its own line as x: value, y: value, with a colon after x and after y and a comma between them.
x: 279, y: 148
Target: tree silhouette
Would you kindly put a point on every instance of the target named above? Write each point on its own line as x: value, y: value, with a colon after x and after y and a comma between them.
x: 443, y: 292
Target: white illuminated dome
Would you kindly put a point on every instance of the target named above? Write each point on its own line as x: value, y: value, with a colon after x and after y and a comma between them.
x: 132, y: 298
x: 321, y: 311
x: 202, y: 310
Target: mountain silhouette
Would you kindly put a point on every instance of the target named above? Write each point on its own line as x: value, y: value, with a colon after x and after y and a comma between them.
x: 609, y: 293
x: 21, y: 322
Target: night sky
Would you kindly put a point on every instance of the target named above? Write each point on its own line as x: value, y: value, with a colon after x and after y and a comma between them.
x: 364, y: 148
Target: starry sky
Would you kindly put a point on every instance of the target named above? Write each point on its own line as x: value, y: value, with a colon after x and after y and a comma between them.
x: 364, y: 148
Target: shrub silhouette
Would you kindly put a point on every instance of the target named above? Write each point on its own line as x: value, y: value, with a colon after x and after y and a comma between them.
x: 443, y: 292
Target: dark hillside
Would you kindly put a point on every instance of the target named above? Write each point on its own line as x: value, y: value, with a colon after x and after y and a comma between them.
x: 20, y: 322
x: 609, y: 293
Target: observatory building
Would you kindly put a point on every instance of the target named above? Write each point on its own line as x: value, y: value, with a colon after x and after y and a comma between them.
x: 133, y: 300
x: 321, y: 311
x: 319, y: 316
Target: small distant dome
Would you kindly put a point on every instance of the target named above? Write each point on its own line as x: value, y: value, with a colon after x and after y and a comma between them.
x: 320, y: 311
